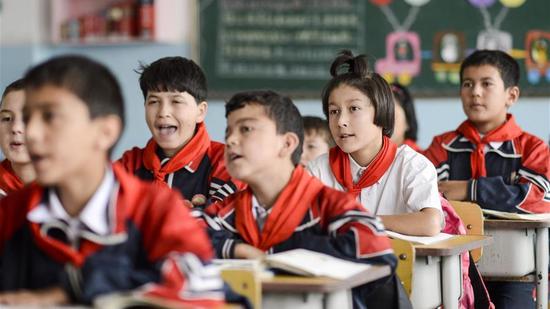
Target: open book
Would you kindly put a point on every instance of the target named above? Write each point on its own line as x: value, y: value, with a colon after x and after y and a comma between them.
x: 424, y: 240
x: 515, y: 216
x: 310, y: 263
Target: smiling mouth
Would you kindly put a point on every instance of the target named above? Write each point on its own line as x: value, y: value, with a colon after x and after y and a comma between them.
x: 167, y: 129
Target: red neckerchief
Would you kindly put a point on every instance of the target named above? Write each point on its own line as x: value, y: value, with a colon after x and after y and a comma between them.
x: 191, y: 154
x: 340, y: 166
x: 9, y: 181
x: 507, y: 131
x: 286, y: 214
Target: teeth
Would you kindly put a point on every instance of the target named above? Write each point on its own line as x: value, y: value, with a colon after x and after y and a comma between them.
x: 167, y: 130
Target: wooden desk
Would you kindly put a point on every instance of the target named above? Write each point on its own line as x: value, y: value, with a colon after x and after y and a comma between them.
x: 442, y: 260
x: 317, y: 292
x: 504, y: 253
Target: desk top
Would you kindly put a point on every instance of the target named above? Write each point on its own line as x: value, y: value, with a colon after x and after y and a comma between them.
x: 298, y: 284
x: 453, y: 246
x: 514, y: 224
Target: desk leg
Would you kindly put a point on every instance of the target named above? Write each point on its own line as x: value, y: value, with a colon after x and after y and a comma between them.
x: 541, y: 267
x: 451, y: 274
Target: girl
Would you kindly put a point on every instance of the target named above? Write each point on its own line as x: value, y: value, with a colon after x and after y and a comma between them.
x: 395, y: 183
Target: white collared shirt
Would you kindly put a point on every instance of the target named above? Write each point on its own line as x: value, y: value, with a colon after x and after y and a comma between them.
x: 259, y: 213
x: 94, y: 215
x: 409, y: 185
x: 488, y: 146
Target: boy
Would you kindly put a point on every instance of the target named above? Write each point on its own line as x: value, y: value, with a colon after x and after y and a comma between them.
x: 85, y: 228
x: 317, y: 138
x: 284, y: 207
x: 16, y: 170
x: 489, y: 159
x: 180, y: 153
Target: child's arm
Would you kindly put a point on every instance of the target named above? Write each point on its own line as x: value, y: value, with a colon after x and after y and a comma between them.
x: 45, y: 297
x: 530, y: 190
x: 455, y: 190
x: 438, y: 156
x: 426, y: 222
x: 349, y: 232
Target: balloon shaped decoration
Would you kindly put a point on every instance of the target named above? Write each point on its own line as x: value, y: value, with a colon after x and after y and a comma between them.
x: 381, y: 2
x: 481, y: 3
x: 512, y: 3
x: 417, y: 2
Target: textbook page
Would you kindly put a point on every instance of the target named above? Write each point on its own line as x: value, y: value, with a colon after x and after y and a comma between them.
x: 311, y: 263
x: 424, y: 240
x: 515, y: 216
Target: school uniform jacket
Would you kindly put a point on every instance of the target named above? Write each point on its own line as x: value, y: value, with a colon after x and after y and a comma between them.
x: 9, y: 181
x: 204, y: 174
x: 306, y: 215
x: 516, y: 170
x: 146, y: 224
x: 327, y: 221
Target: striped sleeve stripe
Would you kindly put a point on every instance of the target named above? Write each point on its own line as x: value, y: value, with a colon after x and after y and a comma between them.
x: 444, y: 167
x: 443, y: 176
x: 539, y: 180
x: 357, y: 216
x: 473, y: 190
x: 226, y: 248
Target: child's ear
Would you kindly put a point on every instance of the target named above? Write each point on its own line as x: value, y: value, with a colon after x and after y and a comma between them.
x: 512, y: 95
x: 109, y: 129
x: 203, y: 109
x: 290, y: 143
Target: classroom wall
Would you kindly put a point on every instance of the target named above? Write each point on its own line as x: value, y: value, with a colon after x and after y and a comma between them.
x: 23, y: 44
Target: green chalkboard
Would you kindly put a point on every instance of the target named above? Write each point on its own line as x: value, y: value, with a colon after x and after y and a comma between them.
x: 288, y: 45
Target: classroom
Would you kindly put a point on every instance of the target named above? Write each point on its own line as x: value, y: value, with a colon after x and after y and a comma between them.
x: 400, y: 147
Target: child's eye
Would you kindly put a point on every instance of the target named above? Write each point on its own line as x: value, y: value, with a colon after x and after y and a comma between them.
x: 487, y: 84
x: 354, y: 108
x: 333, y: 112
x: 178, y: 102
x: 48, y: 116
x: 6, y: 119
x: 466, y: 84
x: 311, y: 147
x: 150, y: 102
x: 246, y: 129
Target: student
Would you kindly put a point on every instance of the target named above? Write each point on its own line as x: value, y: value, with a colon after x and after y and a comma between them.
x: 395, y: 183
x: 85, y: 228
x: 405, y: 128
x: 489, y: 159
x: 284, y: 207
x: 180, y: 153
x: 16, y: 170
x: 317, y: 138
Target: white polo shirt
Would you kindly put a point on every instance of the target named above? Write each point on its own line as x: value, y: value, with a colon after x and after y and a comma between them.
x: 408, y: 186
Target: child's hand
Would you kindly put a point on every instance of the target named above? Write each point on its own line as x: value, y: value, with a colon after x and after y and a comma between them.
x: 245, y: 251
x: 47, y: 297
x: 456, y: 190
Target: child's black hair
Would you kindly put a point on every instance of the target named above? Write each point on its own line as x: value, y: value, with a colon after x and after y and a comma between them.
x: 278, y: 108
x: 174, y: 74
x: 356, y: 74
